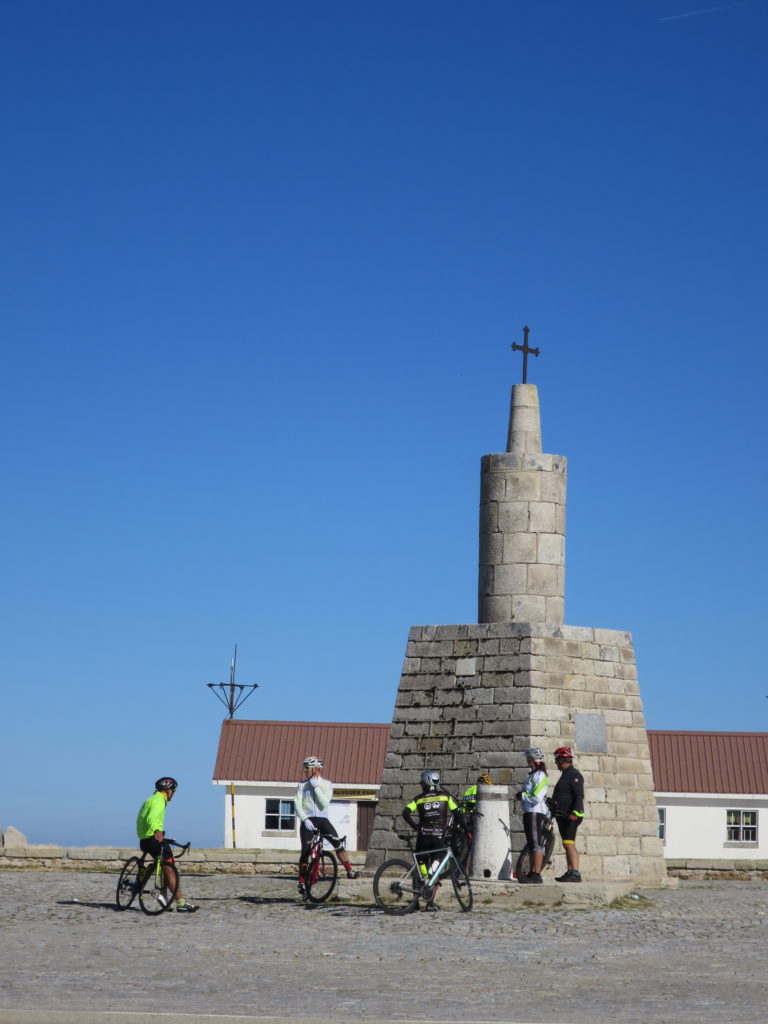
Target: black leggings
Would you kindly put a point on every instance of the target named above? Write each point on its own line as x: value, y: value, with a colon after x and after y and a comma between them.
x: 325, y: 828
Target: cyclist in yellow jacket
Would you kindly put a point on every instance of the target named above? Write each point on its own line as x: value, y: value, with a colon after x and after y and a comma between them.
x: 150, y: 827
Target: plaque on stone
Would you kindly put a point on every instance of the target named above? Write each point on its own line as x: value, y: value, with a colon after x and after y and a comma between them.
x: 591, y: 734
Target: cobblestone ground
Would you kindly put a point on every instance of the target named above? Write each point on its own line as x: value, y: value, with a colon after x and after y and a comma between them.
x: 690, y: 954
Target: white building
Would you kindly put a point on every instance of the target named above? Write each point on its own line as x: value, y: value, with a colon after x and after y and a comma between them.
x: 260, y: 765
x: 712, y: 794
x: 711, y: 787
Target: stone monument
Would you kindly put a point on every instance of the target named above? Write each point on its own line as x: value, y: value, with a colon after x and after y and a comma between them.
x: 474, y: 697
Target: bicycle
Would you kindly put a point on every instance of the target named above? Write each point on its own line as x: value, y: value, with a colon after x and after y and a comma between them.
x: 398, y: 886
x: 322, y: 870
x: 525, y: 860
x: 148, y: 878
x: 459, y: 835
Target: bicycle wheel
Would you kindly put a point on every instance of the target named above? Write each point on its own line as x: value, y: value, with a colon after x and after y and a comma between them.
x: 459, y: 842
x: 321, y: 880
x: 549, y: 846
x: 523, y: 866
x: 156, y: 891
x: 127, y: 883
x: 462, y: 888
x: 395, y: 888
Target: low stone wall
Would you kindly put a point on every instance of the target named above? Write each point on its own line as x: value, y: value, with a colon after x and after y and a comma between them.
x: 196, y: 862
x: 283, y: 862
x: 714, y: 870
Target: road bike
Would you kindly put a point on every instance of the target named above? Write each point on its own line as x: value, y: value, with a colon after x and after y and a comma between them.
x: 398, y: 886
x: 322, y: 870
x: 525, y: 860
x: 459, y: 839
x: 154, y: 879
x: 459, y: 835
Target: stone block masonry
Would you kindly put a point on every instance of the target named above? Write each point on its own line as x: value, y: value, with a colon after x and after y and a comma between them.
x: 522, y: 523
x: 474, y: 697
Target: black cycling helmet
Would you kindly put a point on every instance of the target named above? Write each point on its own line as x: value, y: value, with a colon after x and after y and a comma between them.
x: 166, y: 783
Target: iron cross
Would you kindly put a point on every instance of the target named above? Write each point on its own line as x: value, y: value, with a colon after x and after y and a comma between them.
x: 525, y: 350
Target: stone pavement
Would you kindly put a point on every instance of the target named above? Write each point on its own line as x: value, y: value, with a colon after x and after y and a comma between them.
x: 254, y: 953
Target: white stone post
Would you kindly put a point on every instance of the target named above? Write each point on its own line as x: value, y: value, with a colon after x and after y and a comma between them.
x: 491, y: 856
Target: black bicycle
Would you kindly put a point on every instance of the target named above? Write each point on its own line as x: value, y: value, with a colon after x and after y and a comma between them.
x: 459, y: 835
x: 398, y: 886
x: 524, y: 864
x: 153, y: 881
x: 322, y: 871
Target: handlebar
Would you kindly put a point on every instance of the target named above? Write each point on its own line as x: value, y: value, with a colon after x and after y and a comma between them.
x: 181, y: 847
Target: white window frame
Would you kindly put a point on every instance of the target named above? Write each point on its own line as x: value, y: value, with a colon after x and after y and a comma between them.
x: 741, y: 826
x: 285, y: 811
x: 662, y: 829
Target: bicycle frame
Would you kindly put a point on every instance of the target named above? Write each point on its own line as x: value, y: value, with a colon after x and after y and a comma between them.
x: 434, y: 874
x: 318, y: 845
x: 429, y: 882
x: 314, y: 855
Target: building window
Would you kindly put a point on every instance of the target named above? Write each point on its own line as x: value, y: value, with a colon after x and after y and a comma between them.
x: 662, y: 833
x: 280, y: 816
x: 741, y: 826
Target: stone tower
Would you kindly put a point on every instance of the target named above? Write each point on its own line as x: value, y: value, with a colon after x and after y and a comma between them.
x: 473, y: 697
x: 522, y: 523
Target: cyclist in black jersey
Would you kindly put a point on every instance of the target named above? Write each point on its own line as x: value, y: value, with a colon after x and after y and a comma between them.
x: 568, y: 807
x: 435, y: 808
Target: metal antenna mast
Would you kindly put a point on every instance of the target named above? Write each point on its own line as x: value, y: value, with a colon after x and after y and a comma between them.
x: 232, y: 696
x: 226, y: 692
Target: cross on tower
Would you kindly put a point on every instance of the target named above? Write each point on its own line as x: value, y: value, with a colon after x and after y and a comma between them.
x: 525, y: 350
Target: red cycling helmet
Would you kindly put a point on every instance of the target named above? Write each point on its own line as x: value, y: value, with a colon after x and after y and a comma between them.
x: 565, y: 753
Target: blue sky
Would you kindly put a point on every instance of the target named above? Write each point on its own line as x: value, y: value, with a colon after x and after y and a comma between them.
x: 262, y: 265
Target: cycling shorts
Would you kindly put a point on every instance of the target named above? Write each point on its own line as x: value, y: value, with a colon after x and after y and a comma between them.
x: 567, y: 827
x: 534, y: 830
x: 156, y: 848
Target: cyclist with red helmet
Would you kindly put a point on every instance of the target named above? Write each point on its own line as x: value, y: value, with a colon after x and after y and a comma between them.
x: 568, y: 807
x: 150, y: 827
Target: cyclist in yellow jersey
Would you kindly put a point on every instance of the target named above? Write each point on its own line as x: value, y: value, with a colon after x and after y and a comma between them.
x: 150, y: 827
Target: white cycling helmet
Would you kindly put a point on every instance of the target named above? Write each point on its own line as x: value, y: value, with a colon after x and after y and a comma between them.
x: 430, y: 779
x: 534, y: 754
x: 313, y: 762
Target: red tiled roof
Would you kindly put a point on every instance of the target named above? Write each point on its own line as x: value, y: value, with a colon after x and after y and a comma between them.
x: 255, y: 751
x: 709, y: 762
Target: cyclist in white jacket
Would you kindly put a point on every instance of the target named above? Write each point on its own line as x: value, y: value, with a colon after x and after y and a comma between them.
x: 535, y: 811
x: 313, y: 795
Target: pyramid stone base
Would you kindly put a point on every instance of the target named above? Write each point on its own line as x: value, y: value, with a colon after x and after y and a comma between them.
x: 473, y: 697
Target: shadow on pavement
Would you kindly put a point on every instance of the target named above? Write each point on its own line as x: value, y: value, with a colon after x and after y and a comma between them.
x: 93, y: 906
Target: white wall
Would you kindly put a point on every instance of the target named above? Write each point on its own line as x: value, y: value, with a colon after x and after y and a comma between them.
x: 696, y: 826
x: 250, y: 811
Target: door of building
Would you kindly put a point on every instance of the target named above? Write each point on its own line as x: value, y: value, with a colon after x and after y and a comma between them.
x: 365, y: 812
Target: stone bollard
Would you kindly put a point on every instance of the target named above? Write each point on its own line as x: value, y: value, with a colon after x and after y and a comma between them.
x: 491, y: 856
